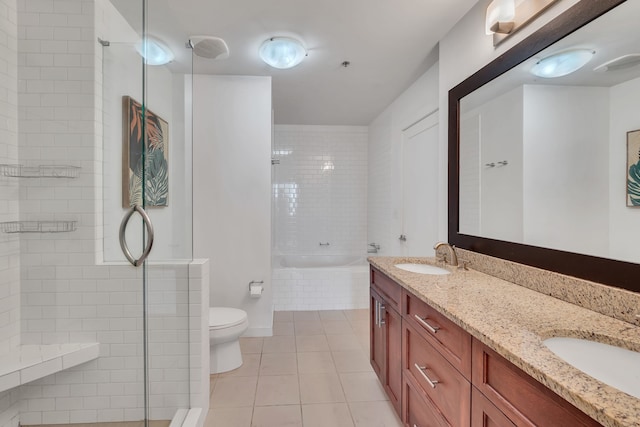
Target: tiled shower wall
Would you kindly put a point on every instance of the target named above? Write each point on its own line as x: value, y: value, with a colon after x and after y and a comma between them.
x: 320, y: 189
x: 9, y: 243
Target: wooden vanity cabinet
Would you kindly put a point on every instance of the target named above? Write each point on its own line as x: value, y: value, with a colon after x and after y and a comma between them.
x: 386, y: 335
x: 522, y: 399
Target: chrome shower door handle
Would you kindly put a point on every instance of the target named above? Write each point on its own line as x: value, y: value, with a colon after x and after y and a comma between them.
x: 123, y: 241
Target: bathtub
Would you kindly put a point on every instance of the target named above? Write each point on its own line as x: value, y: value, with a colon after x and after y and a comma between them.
x: 320, y: 282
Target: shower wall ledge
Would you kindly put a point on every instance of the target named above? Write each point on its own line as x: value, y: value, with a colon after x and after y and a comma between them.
x: 31, y: 362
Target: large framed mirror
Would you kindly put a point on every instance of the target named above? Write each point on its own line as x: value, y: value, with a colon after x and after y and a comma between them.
x: 542, y: 169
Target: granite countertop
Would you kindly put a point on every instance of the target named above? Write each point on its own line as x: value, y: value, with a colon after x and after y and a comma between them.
x: 514, y: 320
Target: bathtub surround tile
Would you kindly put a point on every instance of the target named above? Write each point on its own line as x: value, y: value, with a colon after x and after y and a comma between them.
x: 370, y: 414
x: 327, y: 414
x: 321, y: 388
x: 277, y: 416
x: 279, y: 344
x: 229, y: 417
x: 234, y: 392
x: 278, y: 364
x: 278, y: 390
x: 251, y: 344
x: 315, y: 363
x: 362, y: 387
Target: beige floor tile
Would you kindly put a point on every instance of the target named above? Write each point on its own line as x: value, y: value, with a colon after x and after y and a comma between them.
x: 250, y: 367
x: 308, y: 327
x: 278, y: 364
x: 306, y: 316
x: 277, y: 416
x: 360, y: 328
x: 212, y: 383
x: 282, y: 328
x: 362, y: 387
x: 321, y: 388
x: 318, y: 362
x: 326, y: 414
x: 343, y: 342
x: 331, y: 315
x: 281, y: 344
x: 229, y: 417
x: 374, y: 414
x: 283, y: 316
x: 306, y: 343
x: 336, y: 327
x: 351, y: 361
x: 278, y: 390
x: 357, y: 315
x: 251, y: 344
x: 364, y: 343
x: 234, y: 392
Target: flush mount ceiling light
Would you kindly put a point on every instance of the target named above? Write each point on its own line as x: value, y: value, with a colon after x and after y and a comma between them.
x: 562, y: 63
x: 620, y: 63
x: 282, y: 52
x: 154, y: 51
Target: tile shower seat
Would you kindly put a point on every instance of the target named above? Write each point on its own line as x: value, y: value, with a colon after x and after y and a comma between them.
x: 31, y: 362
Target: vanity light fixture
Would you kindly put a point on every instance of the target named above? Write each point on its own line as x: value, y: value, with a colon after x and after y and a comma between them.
x: 505, y: 17
x: 282, y: 52
x: 562, y: 63
x: 154, y: 51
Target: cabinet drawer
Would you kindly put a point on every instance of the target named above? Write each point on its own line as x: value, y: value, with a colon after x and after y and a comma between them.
x: 485, y: 414
x: 436, y: 377
x: 417, y: 410
x: 387, y: 288
x: 447, y: 337
x: 520, y: 397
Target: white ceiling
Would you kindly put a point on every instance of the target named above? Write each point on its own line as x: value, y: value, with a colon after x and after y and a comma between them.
x: 388, y: 42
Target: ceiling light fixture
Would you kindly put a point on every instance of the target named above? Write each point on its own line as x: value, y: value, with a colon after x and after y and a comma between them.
x: 154, y: 51
x: 562, y: 63
x: 500, y: 15
x: 506, y: 17
x: 282, y: 52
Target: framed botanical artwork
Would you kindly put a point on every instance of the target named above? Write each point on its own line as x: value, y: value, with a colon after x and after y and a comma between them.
x: 153, y: 148
x: 633, y: 168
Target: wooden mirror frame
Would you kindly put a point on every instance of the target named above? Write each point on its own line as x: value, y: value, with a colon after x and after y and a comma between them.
x: 621, y: 274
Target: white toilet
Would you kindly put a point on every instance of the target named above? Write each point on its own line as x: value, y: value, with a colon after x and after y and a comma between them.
x: 225, y: 327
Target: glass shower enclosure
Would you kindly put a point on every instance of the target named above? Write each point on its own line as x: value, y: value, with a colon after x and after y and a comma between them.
x: 96, y: 223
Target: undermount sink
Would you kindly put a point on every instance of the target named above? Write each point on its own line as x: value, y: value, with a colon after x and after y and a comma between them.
x: 423, y: 269
x: 615, y: 366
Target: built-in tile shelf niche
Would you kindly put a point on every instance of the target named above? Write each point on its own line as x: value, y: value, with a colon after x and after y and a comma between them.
x: 41, y: 171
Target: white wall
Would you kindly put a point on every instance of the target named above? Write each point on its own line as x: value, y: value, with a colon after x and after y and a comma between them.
x: 9, y: 196
x: 232, y: 190
x: 625, y: 117
x: 320, y: 189
x: 385, y: 160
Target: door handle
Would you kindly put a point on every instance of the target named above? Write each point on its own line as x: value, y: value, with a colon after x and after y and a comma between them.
x: 123, y: 241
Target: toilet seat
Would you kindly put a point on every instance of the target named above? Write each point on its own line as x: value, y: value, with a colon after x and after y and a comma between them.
x: 225, y: 317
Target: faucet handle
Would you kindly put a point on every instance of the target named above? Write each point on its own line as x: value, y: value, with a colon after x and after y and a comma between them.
x: 463, y: 264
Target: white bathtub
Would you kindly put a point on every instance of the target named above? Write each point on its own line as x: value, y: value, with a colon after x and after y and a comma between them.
x: 320, y: 282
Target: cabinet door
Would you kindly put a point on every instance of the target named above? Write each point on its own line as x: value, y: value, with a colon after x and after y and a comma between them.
x: 485, y: 414
x: 377, y: 348
x: 391, y: 322
x: 418, y: 410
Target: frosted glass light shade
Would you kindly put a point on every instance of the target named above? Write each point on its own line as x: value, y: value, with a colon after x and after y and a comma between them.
x: 282, y: 52
x: 154, y: 51
x: 563, y: 63
x: 499, y: 11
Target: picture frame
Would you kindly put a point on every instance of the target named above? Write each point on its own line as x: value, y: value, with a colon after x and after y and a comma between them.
x: 153, y: 148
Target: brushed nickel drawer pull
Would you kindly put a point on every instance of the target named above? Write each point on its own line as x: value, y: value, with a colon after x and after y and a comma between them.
x: 382, y: 314
x: 433, y: 329
x: 421, y: 369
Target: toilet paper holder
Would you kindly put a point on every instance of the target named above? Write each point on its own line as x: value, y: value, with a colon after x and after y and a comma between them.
x: 255, y: 282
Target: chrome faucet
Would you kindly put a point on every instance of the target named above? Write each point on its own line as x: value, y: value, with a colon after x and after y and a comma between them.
x: 453, y: 258
x: 374, y: 248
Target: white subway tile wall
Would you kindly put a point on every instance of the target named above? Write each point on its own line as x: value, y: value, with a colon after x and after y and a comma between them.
x: 320, y: 198
x: 9, y: 205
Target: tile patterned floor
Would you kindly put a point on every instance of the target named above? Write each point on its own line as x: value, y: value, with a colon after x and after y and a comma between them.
x: 314, y: 372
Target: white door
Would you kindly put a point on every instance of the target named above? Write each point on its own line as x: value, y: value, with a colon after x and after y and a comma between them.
x: 420, y: 187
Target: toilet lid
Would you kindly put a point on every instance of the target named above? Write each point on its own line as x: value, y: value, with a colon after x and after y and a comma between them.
x: 225, y: 317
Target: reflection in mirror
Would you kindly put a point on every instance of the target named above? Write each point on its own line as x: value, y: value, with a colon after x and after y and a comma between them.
x: 543, y: 161
x: 560, y: 199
